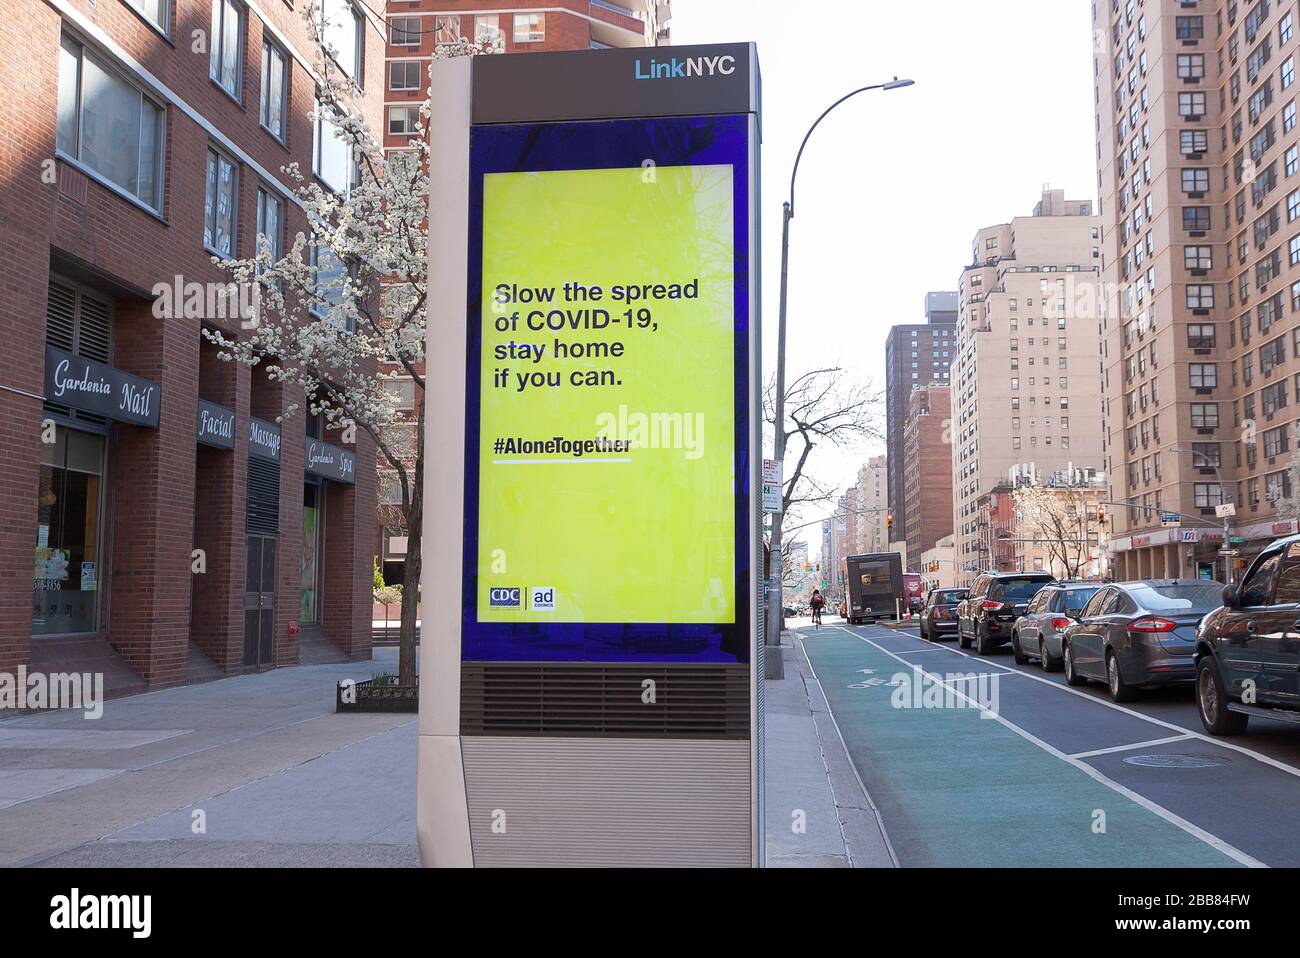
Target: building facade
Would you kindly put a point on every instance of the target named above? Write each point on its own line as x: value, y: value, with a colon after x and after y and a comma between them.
x: 171, y: 526
x: 415, y: 32
x: 927, y: 468
x: 872, y: 526
x: 1199, y: 171
x: 916, y: 355
x: 1027, y: 381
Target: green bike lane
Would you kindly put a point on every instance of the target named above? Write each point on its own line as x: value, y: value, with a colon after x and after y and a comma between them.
x: 956, y: 789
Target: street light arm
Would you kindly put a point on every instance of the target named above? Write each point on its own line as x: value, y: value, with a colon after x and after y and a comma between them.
x: 891, y: 85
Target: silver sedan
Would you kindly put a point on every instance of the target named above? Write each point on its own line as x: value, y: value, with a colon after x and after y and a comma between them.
x: 1037, y: 633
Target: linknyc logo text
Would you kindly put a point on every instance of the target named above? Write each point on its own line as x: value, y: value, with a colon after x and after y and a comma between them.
x: 690, y: 67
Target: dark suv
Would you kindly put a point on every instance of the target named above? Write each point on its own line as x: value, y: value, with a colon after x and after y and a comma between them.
x: 939, y: 617
x: 1248, y: 651
x: 996, y: 600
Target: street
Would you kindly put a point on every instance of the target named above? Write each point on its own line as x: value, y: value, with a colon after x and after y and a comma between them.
x: 1062, y: 777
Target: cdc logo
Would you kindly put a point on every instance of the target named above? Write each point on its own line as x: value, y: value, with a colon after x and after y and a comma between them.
x: 503, y: 598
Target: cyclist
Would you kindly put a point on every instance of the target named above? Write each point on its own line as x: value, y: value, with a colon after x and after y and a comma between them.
x: 817, y: 602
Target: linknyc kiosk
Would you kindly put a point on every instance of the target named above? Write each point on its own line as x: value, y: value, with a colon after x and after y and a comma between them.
x: 591, y: 679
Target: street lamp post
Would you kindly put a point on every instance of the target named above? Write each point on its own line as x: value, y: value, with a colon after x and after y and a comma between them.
x: 777, y: 602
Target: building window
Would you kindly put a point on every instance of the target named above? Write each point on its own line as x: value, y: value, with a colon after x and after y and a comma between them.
x: 69, y: 565
x: 1205, y: 415
x: 404, y: 75
x: 226, y: 60
x: 487, y: 31
x: 1196, y: 218
x: 220, y: 201
x: 1203, y: 375
x: 1198, y: 257
x: 1191, y: 66
x: 1191, y: 106
x: 332, y: 159
x: 1196, y: 181
x: 155, y: 11
x: 403, y: 120
x: 1200, y: 297
x: 1189, y: 28
x: 109, y: 125
x: 270, y: 222
x: 329, y: 279
x: 404, y: 31
x: 401, y: 392
x: 275, y: 86
x: 1208, y: 495
x: 448, y: 32
x: 530, y: 27
x: 341, y: 26
x: 1193, y: 141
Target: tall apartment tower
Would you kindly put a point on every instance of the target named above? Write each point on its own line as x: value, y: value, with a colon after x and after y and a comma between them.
x: 916, y: 355
x: 1027, y: 377
x: 927, y: 469
x: 1199, y: 171
x: 873, y: 505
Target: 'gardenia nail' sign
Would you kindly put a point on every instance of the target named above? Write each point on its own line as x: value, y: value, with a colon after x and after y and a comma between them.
x: 101, y: 389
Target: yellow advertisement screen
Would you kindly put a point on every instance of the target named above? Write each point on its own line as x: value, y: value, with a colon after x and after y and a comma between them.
x: 606, y: 459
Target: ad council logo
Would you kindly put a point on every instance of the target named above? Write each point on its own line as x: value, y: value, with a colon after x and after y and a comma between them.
x: 504, y: 598
x: 542, y: 598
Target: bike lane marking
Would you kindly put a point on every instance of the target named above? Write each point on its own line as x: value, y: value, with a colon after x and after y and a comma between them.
x: 956, y: 789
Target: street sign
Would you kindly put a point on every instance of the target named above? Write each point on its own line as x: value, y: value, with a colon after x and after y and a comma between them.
x: 771, y: 486
x: 1225, y: 510
x: 1236, y: 540
x: 1231, y: 553
x: 1170, y: 519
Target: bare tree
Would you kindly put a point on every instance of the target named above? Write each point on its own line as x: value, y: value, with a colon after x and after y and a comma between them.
x: 823, y: 407
x: 1056, y: 518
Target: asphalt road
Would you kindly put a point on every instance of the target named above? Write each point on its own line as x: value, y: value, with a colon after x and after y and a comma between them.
x: 975, y: 761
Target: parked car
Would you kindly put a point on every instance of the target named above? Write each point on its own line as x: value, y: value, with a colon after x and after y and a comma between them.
x: 939, y: 616
x: 1056, y: 607
x: 986, y: 617
x: 1141, y: 634
x: 1248, y: 651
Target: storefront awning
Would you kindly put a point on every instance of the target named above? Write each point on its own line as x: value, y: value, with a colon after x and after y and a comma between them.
x: 216, y: 425
x: 330, y: 462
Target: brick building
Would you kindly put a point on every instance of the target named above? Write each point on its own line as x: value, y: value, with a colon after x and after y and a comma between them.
x: 916, y: 354
x: 131, y: 155
x: 416, y: 31
x: 927, y: 469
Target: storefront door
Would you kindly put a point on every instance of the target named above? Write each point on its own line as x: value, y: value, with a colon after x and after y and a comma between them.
x: 259, y: 602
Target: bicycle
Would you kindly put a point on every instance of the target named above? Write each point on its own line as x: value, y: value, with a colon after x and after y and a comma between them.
x: 817, y: 618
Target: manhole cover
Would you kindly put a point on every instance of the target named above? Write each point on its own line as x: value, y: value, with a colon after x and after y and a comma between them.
x: 1175, y: 760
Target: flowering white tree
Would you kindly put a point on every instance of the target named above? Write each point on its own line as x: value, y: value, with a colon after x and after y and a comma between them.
x: 353, y: 294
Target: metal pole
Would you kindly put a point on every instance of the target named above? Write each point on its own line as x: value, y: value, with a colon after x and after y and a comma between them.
x: 777, y: 600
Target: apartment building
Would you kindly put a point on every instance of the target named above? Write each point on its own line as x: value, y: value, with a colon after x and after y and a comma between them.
x: 872, y: 527
x: 927, y: 468
x: 179, y: 529
x: 916, y: 355
x: 1027, y: 372
x: 418, y: 30
x: 1199, y: 170
x: 1058, y: 529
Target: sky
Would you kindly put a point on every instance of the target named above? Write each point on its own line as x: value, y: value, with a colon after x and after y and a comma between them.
x: 894, y: 184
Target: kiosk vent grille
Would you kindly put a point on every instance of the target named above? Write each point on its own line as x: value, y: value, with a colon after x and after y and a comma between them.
x: 562, y: 699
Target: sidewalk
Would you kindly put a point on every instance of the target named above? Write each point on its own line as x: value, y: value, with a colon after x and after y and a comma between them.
x: 810, y: 780
x: 279, y: 778
x: 258, y: 770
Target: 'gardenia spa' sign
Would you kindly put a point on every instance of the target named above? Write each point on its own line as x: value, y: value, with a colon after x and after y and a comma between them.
x: 100, y: 389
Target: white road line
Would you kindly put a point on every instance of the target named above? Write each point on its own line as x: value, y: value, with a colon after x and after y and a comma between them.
x: 1218, y: 844
x: 875, y: 809
x: 915, y: 651
x: 1201, y: 736
x: 1129, y: 748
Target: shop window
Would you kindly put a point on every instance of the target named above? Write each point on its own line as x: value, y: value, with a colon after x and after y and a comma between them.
x: 69, y: 504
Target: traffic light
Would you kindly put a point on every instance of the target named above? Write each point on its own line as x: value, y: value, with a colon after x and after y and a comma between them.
x: 889, y: 522
x: 1101, y: 514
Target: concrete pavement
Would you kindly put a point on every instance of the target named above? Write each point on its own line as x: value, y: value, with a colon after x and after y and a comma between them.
x: 258, y: 770
x: 278, y: 777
